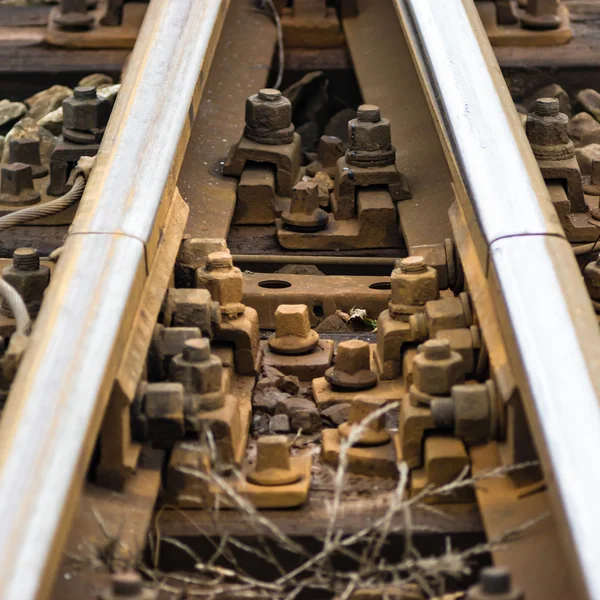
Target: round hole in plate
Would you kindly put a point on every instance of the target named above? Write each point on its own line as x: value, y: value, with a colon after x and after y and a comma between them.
x: 380, y: 285
x: 274, y: 284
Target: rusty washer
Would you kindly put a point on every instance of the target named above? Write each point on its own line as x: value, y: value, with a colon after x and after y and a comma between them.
x: 547, y: 131
x: 370, y: 139
x: 269, y: 118
x: 541, y: 15
x: 73, y: 14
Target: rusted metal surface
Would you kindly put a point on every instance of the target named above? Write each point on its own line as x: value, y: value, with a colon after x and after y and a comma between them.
x: 240, y: 68
x: 388, y: 78
x: 323, y: 295
x: 535, y: 558
x: 108, y: 532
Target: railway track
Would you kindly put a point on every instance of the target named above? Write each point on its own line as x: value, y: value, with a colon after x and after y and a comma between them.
x: 477, y: 338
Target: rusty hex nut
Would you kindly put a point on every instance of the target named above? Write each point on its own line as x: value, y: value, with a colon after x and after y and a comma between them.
x: 28, y: 277
x: 369, y: 132
x: 413, y: 284
x: 84, y: 111
x: 474, y: 421
x: 464, y: 340
x: 370, y: 139
x: 200, y: 373
x: 547, y: 131
x: 269, y: 118
x: 352, y: 368
x: 437, y: 368
x: 223, y: 281
x: 164, y: 408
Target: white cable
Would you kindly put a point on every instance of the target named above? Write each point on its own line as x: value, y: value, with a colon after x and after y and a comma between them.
x: 17, y: 306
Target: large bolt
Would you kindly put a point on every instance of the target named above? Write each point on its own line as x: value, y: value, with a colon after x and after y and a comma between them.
x: 293, y: 334
x: 200, y: 373
x: 224, y: 282
x: 16, y: 185
x: 164, y: 411
x: 413, y: 284
x: 305, y: 214
x: 370, y: 140
x: 27, y: 151
x: 592, y: 186
x: 273, y: 465
x: 73, y: 14
x: 495, y: 582
x: 26, y: 259
x: 269, y: 118
x: 437, y: 368
x: 85, y: 115
x: 472, y: 413
x: 541, y: 14
x: 547, y: 131
x: 196, y: 350
x: 374, y: 432
x: 352, y: 368
x: 28, y: 277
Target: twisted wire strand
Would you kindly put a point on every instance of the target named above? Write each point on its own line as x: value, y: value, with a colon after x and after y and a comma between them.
x: 53, y: 207
x: 17, y: 306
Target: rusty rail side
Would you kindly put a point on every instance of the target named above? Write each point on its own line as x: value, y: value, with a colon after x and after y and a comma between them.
x: 545, y: 315
x: 59, y: 396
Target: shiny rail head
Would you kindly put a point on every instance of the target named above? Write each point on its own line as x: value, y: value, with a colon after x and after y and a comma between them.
x: 484, y: 141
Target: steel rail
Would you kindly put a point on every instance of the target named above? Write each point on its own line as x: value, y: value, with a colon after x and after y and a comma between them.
x: 547, y: 320
x: 58, y: 399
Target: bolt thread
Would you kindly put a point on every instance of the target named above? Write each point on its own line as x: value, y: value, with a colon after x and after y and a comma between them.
x: 368, y: 113
x: 546, y: 107
x: 413, y: 264
x: 436, y: 349
x: 85, y: 92
x: 26, y: 259
x: 269, y: 94
x: 219, y: 260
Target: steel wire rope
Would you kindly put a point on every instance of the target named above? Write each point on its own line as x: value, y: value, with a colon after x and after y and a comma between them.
x: 17, y: 306
x: 32, y: 213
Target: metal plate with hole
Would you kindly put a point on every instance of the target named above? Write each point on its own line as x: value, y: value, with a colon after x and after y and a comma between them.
x: 323, y: 295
